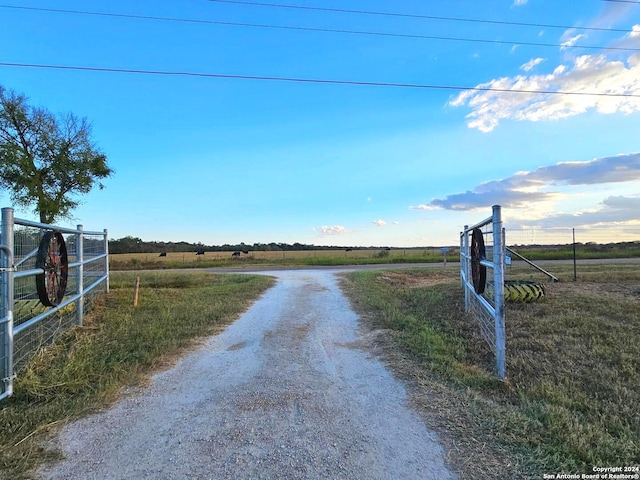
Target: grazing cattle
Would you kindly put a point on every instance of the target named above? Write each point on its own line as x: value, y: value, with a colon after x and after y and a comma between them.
x: 163, y: 254
x: 246, y: 252
x: 387, y: 248
x: 200, y: 252
x: 348, y: 250
x: 235, y: 254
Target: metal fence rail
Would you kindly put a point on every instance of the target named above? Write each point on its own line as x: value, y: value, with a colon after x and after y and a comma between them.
x: 488, y: 310
x: 26, y: 324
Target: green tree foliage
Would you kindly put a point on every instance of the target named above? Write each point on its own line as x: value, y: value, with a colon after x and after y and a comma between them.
x: 46, y: 160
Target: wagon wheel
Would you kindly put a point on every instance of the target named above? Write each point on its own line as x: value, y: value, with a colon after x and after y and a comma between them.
x: 478, y: 271
x: 52, y: 258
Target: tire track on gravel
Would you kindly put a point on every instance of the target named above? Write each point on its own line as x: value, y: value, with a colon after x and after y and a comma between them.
x: 281, y: 393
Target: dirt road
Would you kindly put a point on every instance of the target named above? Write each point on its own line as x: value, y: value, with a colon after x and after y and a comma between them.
x: 288, y: 391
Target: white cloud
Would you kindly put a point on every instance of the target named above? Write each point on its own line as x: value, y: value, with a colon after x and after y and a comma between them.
x: 526, y: 188
x: 518, y: 3
x: 570, y: 41
x: 515, y: 98
x: 527, y: 67
x: 380, y: 222
x: 332, y: 230
x: 612, y: 210
x: 422, y: 207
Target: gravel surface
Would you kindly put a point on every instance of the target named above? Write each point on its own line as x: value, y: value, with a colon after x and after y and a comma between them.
x: 288, y: 391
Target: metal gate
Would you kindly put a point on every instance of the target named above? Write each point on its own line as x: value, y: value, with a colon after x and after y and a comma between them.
x: 487, y: 307
x: 49, y: 276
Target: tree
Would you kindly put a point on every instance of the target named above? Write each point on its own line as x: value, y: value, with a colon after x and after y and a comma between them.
x: 46, y: 160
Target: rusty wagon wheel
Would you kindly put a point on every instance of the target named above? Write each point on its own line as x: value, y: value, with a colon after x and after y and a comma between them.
x: 52, y: 258
x: 478, y: 271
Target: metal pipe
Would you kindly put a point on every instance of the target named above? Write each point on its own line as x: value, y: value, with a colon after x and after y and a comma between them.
x: 38, y: 271
x: 552, y: 277
x: 480, y: 224
x: 43, y: 315
x: 498, y: 285
x: 6, y: 309
x: 46, y: 226
x: 106, y: 255
x: 80, y: 274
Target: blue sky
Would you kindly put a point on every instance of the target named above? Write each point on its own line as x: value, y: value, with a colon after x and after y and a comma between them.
x: 216, y: 160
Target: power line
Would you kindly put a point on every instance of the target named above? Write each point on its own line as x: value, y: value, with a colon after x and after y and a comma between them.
x: 314, y: 29
x: 429, y: 17
x: 312, y: 80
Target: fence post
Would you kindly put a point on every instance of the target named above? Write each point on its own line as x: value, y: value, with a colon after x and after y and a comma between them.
x: 6, y: 304
x: 106, y: 260
x: 80, y: 274
x: 575, y: 268
x: 498, y: 283
x: 465, y: 264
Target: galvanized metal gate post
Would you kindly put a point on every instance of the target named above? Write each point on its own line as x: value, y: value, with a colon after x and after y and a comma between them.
x: 498, y: 282
x: 6, y: 304
x: 80, y: 274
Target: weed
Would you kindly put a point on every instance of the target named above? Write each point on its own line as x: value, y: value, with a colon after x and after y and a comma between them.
x: 573, y: 365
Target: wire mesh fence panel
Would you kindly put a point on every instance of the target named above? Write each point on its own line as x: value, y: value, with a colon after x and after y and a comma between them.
x: 604, y: 236
x: 5, y: 358
x: 56, y: 274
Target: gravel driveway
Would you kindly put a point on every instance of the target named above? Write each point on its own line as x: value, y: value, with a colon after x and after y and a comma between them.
x: 288, y: 391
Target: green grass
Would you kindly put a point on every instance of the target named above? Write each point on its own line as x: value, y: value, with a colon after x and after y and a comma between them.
x: 571, y: 401
x: 148, y: 261
x: 118, y: 346
x: 357, y: 256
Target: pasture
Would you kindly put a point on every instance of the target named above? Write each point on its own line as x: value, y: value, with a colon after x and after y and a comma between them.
x: 356, y: 256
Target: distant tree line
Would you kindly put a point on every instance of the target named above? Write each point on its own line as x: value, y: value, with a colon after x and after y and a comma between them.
x: 136, y: 245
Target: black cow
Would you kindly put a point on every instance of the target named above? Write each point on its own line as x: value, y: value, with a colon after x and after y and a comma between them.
x: 235, y: 254
x: 163, y: 254
x: 200, y: 252
x: 246, y: 252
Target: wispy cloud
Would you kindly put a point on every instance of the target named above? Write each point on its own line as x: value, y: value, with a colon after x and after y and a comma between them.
x: 332, y: 230
x: 565, y: 91
x: 518, y: 3
x: 614, y: 209
x: 423, y: 207
x: 530, y: 65
x: 380, y: 222
x: 525, y: 188
x: 570, y: 40
x: 588, y: 74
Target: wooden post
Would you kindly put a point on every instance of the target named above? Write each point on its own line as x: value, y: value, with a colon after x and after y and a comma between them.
x: 136, y: 290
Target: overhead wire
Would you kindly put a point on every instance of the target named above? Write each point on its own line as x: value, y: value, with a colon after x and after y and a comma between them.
x: 415, y: 15
x: 315, y: 80
x: 315, y: 29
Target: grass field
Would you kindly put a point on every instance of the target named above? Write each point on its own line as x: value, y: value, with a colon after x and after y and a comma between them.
x: 573, y: 363
x: 128, y: 261
x: 571, y: 401
x: 119, y: 345
x: 356, y: 256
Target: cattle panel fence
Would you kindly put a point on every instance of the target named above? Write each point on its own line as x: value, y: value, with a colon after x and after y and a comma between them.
x: 49, y: 276
x: 482, y: 250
